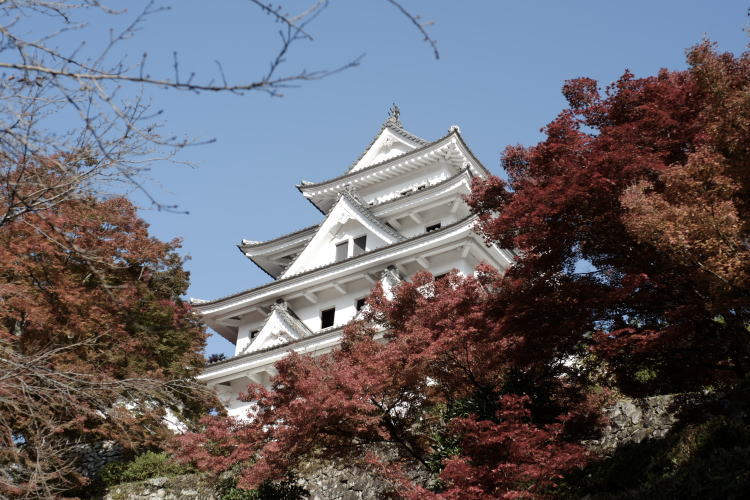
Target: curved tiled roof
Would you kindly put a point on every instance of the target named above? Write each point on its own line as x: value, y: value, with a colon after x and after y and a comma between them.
x: 364, y: 212
x: 427, y: 189
x: 348, y: 173
x: 395, y: 126
x: 256, y: 244
x: 332, y: 264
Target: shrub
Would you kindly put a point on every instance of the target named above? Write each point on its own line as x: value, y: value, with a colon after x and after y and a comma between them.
x: 144, y: 466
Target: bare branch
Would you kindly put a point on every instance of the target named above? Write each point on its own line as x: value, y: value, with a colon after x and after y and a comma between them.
x: 419, y: 25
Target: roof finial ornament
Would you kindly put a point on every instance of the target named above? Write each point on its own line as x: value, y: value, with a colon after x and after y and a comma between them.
x: 394, y: 114
x: 352, y: 191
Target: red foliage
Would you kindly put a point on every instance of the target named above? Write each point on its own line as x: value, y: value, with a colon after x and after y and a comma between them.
x: 448, y: 357
x: 509, y: 457
x: 648, y: 185
x: 91, y: 320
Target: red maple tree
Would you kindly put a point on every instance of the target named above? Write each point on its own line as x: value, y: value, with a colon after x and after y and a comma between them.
x: 648, y: 184
x: 421, y: 383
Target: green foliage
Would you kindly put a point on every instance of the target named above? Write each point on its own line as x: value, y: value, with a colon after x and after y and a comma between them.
x: 277, y: 490
x: 645, y: 375
x: 111, y: 474
x: 144, y: 466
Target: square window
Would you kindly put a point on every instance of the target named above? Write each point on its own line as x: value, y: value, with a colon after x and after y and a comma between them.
x: 254, y: 334
x: 342, y: 251
x: 360, y: 244
x: 433, y: 227
x: 326, y: 317
x: 361, y: 303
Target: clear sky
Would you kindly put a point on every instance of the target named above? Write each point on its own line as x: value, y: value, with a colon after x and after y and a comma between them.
x: 501, y: 67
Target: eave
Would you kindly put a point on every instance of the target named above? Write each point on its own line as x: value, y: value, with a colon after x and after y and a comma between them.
x: 260, y: 253
x: 311, y: 277
x: 322, y: 193
x: 227, y: 369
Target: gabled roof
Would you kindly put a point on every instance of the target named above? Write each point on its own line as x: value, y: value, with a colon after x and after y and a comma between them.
x: 393, y: 123
x: 347, y: 207
x: 320, y: 193
x: 280, y: 326
x: 349, y: 173
x: 199, y: 304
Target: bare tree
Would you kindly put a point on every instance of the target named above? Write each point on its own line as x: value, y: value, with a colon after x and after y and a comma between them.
x: 42, y: 407
x: 113, y: 135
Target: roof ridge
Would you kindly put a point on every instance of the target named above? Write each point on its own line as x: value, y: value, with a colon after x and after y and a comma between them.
x: 393, y: 122
x: 272, y: 240
x: 375, y: 165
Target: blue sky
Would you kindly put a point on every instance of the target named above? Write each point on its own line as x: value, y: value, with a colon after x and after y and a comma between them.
x: 501, y: 67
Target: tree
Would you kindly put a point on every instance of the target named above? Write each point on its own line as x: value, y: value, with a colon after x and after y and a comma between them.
x: 99, y: 92
x: 452, y: 392
x: 95, y: 341
x: 648, y: 185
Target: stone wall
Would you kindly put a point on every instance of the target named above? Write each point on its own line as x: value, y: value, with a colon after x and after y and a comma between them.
x: 189, y: 486
x: 327, y: 483
x: 95, y: 456
x: 634, y: 420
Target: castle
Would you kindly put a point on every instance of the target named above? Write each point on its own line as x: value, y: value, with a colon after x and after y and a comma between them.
x: 398, y: 209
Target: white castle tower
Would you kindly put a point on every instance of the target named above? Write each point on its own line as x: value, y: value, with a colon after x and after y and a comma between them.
x: 397, y: 210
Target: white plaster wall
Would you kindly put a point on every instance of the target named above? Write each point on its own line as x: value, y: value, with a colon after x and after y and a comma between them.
x: 441, y: 214
x: 243, y: 335
x: 324, y: 251
x: 345, y: 306
x: 389, y: 189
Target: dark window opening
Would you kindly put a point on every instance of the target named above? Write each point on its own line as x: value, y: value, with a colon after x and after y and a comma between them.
x: 405, y: 192
x: 433, y: 227
x: 359, y: 245
x: 421, y: 187
x: 440, y: 276
x: 342, y: 251
x: 326, y: 317
x: 361, y: 303
x: 254, y: 334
